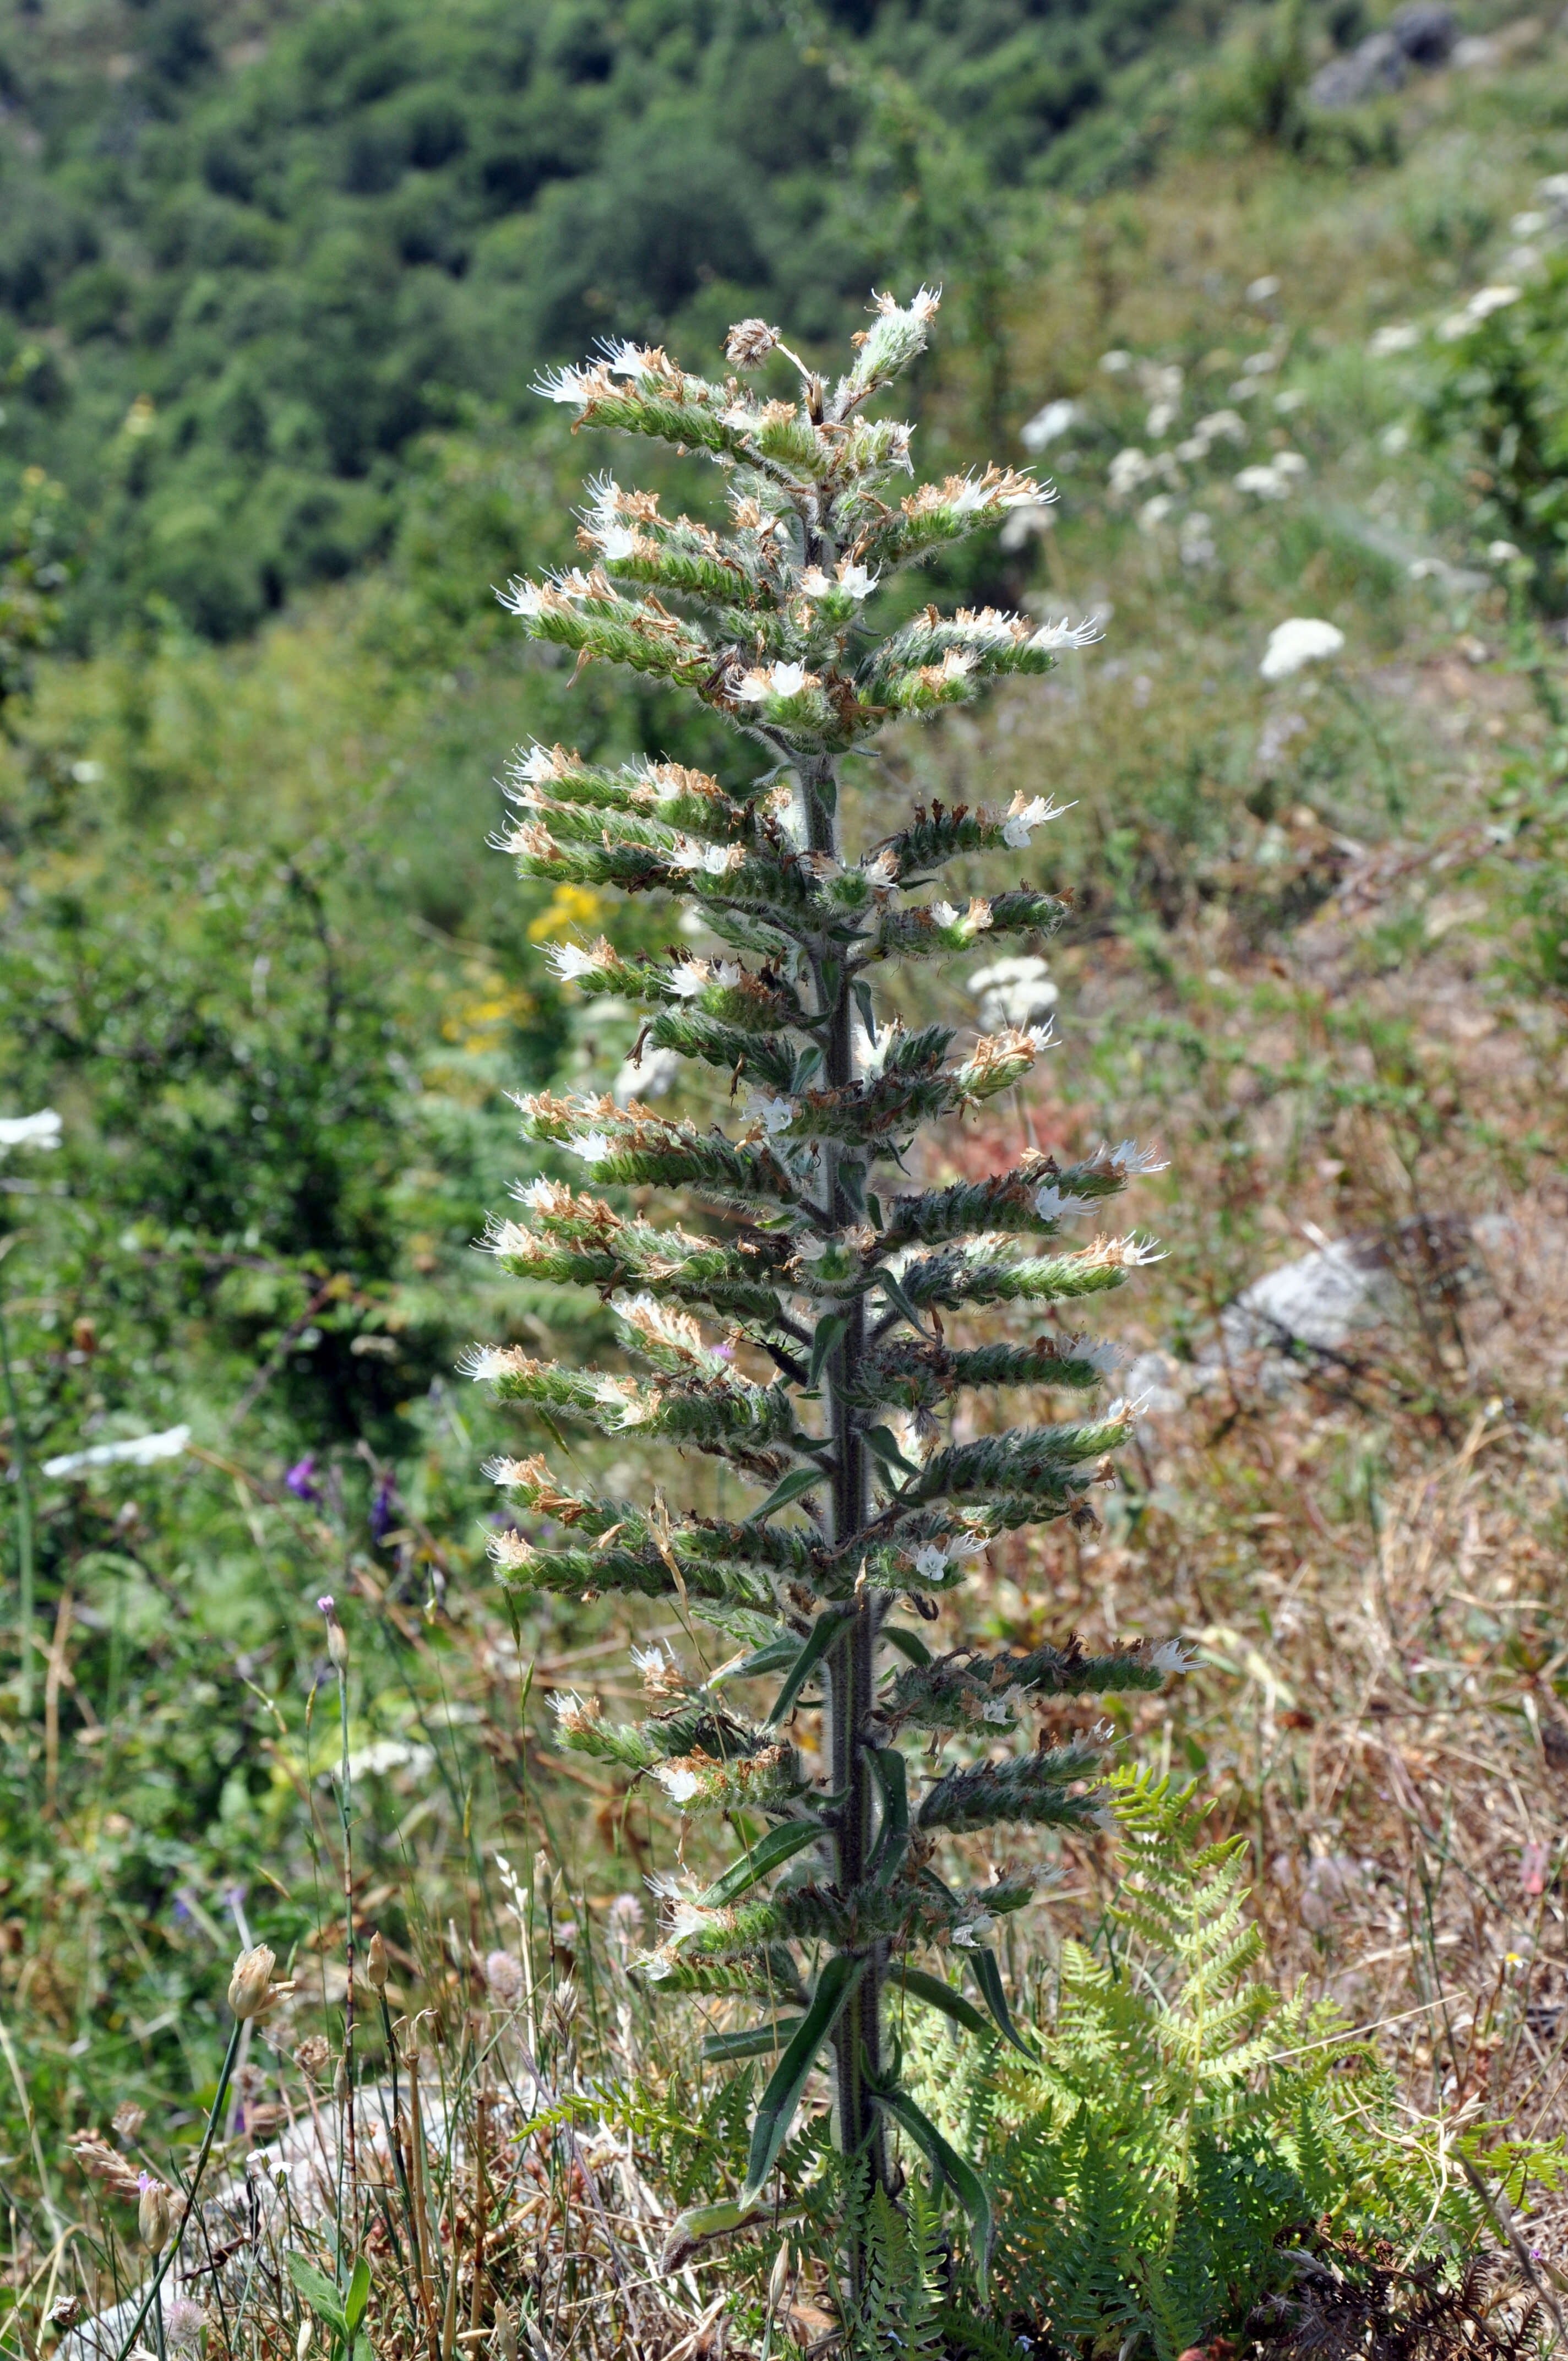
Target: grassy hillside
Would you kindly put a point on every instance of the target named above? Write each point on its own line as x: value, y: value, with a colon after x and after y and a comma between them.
x: 255, y: 954
x: 250, y: 253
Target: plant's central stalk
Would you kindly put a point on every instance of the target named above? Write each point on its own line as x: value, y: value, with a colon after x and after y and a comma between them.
x: 851, y: 1666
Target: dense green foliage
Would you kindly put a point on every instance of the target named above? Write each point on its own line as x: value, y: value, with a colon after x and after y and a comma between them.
x: 1499, y: 408
x: 244, y: 266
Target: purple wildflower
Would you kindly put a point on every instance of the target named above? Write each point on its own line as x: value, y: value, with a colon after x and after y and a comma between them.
x: 300, y: 1479
x: 382, y: 1509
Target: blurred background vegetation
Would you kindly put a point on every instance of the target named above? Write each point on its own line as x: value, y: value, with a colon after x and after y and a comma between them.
x: 274, y: 282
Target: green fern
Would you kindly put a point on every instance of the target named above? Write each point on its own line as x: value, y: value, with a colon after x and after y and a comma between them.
x: 902, y: 2310
x: 1182, y: 2124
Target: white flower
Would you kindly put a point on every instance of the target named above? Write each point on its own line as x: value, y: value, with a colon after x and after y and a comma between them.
x: 1482, y: 304
x: 1302, y: 639
x: 626, y: 360
x: 1161, y: 418
x: 788, y: 679
x: 1270, y: 483
x: 570, y: 961
x: 690, y: 978
x: 1117, y: 364
x: 680, y: 1784
x: 881, y: 871
x: 1501, y: 552
x: 1052, y: 1206
x: 567, y: 385
x: 536, y: 769
x: 774, y: 1114
x: 1170, y: 1656
x: 687, y: 1919
x: 973, y: 1931
x: 1130, y: 1159
x: 944, y: 914
x: 1398, y: 336
x: 814, y: 583
x: 1047, y: 424
x: 1129, y: 468
x: 593, y: 1146
x: 1022, y: 818
x: 1063, y: 635
x: 1154, y: 512
x: 616, y: 542
x: 140, y: 1451
x: 931, y: 1562
x: 856, y: 581
x: 40, y: 1130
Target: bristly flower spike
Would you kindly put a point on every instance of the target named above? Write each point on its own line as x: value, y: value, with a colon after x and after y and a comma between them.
x: 793, y: 1328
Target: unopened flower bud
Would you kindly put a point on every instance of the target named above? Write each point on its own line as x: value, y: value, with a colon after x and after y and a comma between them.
x: 749, y: 343
x: 778, y: 2278
x: 340, y: 2080
x: 337, y: 1637
x: 375, y: 1963
x: 153, y: 2213
x: 251, y: 1981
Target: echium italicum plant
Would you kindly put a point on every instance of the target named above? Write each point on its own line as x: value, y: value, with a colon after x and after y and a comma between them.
x: 796, y: 1331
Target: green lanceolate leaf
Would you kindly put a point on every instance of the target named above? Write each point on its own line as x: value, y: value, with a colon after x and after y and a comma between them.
x: 773, y: 1658
x: 775, y: 2116
x: 908, y: 1644
x: 949, y: 2166
x: 893, y: 1839
x: 826, y: 1333
x: 936, y: 1994
x: 813, y: 1648
x: 779, y: 1845
x: 756, y: 2041
x: 868, y: 1015
x: 879, y: 1439
x: 898, y: 1301
x: 318, y: 2291
x: 694, y: 2228
x: 798, y: 1480
x: 988, y: 1976
x: 358, y: 2296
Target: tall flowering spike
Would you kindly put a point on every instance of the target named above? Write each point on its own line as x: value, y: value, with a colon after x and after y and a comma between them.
x: 793, y: 1329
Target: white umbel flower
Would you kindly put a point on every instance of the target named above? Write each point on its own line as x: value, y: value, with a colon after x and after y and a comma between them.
x: 40, y: 1130
x: 1299, y: 640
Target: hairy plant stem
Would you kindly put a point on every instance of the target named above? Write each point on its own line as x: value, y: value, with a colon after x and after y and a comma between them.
x: 850, y: 1664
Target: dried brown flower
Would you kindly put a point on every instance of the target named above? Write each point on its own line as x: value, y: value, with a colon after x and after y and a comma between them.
x: 749, y: 343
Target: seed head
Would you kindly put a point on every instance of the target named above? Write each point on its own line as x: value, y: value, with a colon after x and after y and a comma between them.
x: 749, y: 343
x: 375, y: 1963
x: 504, y: 1978
x: 310, y: 2057
x: 127, y: 2119
x: 251, y: 1981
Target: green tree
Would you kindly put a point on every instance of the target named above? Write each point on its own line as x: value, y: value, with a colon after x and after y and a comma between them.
x: 825, y: 1280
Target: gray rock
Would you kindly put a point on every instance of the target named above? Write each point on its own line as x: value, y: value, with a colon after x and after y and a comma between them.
x: 1316, y: 1300
x: 1375, y: 68
x: 1426, y: 31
